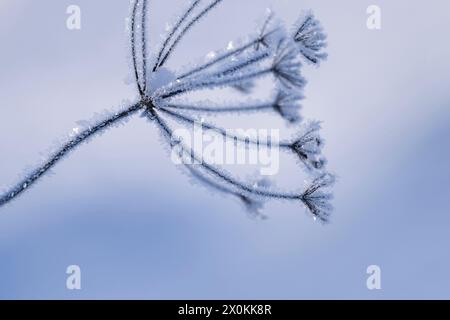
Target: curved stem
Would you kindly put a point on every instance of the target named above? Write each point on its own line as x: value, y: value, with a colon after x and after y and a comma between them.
x: 144, y: 44
x: 173, y: 31
x: 141, y: 83
x: 215, y: 83
x: 185, y: 30
x: 267, y: 142
x: 222, y: 57
x: 133, y: 47
x: 40, y: 171
x: 225, y: 177
x: 226, y: 109
x: 229, y: 53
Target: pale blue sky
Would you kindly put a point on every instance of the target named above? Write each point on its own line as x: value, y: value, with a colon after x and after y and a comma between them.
x: 138, y: 229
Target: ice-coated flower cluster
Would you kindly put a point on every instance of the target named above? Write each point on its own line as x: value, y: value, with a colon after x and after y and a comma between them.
x: 273, y: 52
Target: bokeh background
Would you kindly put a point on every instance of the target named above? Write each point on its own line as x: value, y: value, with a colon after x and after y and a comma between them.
x: 119, y: 209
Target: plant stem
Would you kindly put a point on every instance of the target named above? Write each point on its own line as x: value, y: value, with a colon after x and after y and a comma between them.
x: 31, y: 178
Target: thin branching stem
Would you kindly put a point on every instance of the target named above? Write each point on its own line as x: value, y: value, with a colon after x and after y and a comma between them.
x: 133, y: 48
x: 225, y: 177
x: 263, y: 30
x: 223, y: 57
x: 237, y: 67
x: 300, y: 35
x: 186, y: 29
x: 246, y: 140
x: 252, y: 205
x: 197, y: 174
x: 141, y: 82
x: 75, y: 141
x: 144, y: 44
x: 231, y: 109
x: 218, y: 82
x: 173, y: 31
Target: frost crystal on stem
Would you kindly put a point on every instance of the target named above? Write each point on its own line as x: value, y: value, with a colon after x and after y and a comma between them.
x: 271, y: 53
x: 310, y: 38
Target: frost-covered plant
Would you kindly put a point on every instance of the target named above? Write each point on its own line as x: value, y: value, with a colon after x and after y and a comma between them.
x: 272, y: 52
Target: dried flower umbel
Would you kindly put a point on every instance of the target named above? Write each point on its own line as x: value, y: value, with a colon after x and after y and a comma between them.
x: 272, y: 52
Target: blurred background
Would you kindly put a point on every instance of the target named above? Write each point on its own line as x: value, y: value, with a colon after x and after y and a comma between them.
x: 120, y: 209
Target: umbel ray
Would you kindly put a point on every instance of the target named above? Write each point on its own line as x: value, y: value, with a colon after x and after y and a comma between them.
x: 273, y: 52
